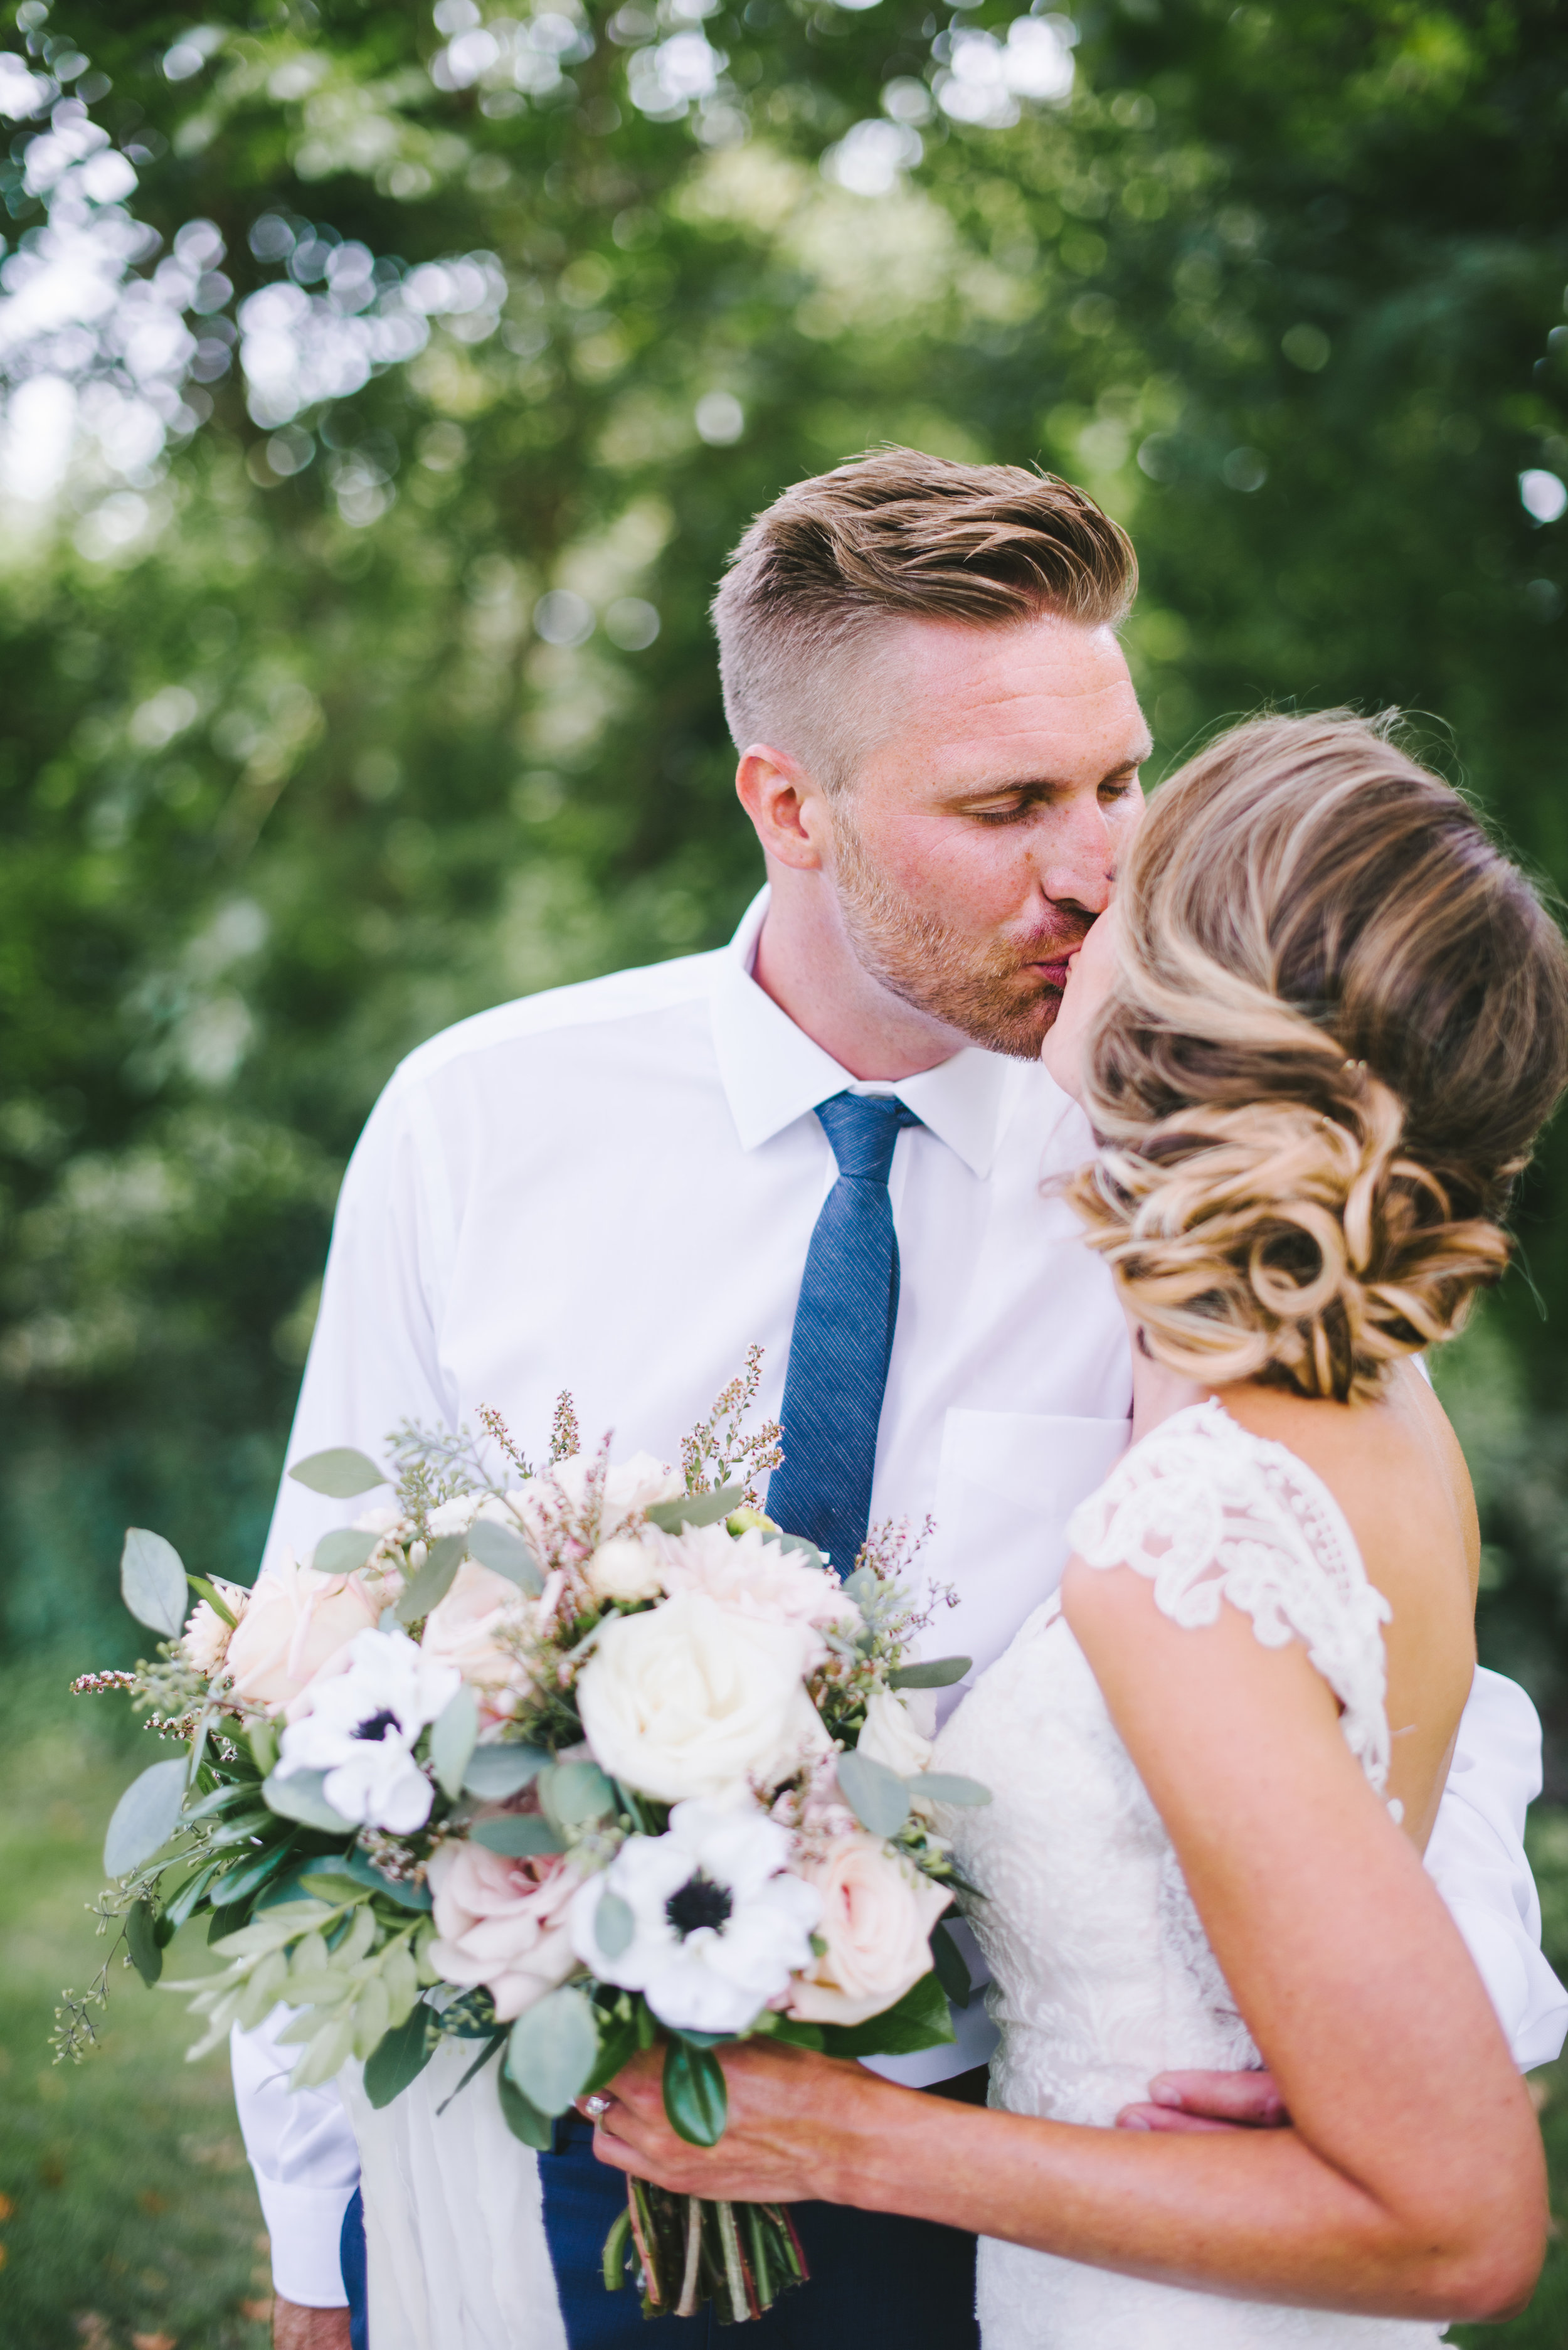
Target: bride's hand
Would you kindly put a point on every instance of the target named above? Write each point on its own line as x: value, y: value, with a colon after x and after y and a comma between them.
x: 1090, y: 975
x: 787, y: 2112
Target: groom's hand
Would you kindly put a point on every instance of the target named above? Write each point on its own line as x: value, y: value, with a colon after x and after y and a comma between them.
x: 1207, y: 2101
x: 294, y: 2327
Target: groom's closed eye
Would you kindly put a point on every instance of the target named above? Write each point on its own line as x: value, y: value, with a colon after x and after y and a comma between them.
x: 1022, y: 800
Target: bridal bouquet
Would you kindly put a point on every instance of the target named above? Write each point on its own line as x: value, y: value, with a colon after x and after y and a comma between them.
x: 566, y: 1762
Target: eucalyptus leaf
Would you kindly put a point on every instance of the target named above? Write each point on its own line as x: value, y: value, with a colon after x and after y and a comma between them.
x: 517, y: 1836
x: 553, y: 2049
x: 339, y: 1473
x: 327, y: 1882
x: 453, y: 1741
x: 931, y: 1672
x: 695, y: 1509
x: 299, y: 1797
x: 497, y: 1772
x: 614, y: 1924
x: 877, y: 1796
x: 399, y: 2058
x: 523, y: 2118
x: 799, y: 1545
x: 145, y: 1817
x: 695, y: 2097
x: 506, y: 1553
x: 574, y: 1793
x: 947, y: 1787
x: 358, y: 1870
x: 434, y: 1579
x: 343, y: 1552
x: 142, y: 1944
x: 230, y: 1796
x: 152, y: 1581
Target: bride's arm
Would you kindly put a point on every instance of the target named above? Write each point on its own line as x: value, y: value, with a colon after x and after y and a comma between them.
x: 1411, y: 2183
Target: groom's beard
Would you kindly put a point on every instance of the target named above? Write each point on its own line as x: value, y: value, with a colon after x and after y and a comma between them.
x: 990, y: 992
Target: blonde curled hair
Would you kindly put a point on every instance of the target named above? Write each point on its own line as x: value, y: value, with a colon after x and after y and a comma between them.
x: 1341, y: 1020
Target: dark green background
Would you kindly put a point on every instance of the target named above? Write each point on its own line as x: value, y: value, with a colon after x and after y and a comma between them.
x: 394, y: 805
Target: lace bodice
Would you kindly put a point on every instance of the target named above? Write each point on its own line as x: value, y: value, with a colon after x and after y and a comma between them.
x: 1102, y: 1974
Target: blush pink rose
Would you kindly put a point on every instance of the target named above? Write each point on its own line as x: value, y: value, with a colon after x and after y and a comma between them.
x: 878, y: 1912
x: 469, y: 1629
x: 502, y: 1923
x: 295, y: 1621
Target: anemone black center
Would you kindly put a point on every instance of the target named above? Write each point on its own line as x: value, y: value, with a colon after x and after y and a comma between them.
x: 699, y: 1902
x: 375, y: 1725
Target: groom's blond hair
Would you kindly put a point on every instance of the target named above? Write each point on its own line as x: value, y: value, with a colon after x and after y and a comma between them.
x: 895, y: 535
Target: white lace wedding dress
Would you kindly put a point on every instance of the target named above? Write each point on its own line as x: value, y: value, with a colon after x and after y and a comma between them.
x: 1103, y: 1975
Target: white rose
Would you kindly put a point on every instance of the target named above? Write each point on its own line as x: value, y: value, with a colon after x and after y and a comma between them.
x: 624, y: 1568
x: 468, y: 1629
x: 454, y: 1517
x: 295, y: 1622
x: 892, y: 1736
x: 377, y: 1522
x: 694, y: 1699
x: 878, y: 1912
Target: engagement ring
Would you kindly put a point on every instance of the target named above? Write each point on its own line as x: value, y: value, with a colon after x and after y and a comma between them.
x: 596, y: 2106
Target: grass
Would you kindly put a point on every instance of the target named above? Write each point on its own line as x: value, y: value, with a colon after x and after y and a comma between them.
x: 128, y: 2217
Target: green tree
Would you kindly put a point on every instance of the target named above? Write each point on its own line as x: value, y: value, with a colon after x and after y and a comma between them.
x: 356, y: 670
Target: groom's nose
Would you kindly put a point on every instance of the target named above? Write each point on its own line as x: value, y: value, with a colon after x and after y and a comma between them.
x: 1073, y: 853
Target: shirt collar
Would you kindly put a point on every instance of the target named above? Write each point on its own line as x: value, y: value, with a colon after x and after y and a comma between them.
x: 773, y: 1073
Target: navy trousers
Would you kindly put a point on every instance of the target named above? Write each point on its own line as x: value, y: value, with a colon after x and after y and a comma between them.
x: 877, y: 2282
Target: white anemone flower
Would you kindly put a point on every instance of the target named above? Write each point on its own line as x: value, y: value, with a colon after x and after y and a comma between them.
x: 717, y: 1926
x: 361, y: 1728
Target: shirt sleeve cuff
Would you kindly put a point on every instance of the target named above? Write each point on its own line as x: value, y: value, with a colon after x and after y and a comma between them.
x: 305, y: 2224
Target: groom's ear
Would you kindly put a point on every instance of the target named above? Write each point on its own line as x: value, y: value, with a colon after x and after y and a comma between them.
x: 789, y: 809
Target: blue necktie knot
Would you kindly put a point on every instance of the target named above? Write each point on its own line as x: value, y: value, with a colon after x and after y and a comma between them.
x: 863, y: 1129
x: 843, y: 1336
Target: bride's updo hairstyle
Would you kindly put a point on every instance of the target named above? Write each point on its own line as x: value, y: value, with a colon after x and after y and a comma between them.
x: 1341, y: 1021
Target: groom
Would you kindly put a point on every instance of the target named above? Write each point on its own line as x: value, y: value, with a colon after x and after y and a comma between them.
x: 830, y: 1137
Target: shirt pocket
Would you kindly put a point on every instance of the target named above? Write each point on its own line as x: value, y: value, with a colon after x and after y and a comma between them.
x: 1008, y: 1482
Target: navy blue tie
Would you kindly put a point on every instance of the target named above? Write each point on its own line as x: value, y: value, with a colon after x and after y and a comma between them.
x: 843, y: 1336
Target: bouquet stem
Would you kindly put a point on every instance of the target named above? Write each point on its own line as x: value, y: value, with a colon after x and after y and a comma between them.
x: 687, y: 2306
x: 739, y: 2256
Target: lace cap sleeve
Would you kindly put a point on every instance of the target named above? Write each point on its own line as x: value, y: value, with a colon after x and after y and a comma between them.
x: 1210, y: 1512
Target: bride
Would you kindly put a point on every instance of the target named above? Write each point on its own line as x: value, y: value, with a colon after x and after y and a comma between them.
x: 1317, y: 1041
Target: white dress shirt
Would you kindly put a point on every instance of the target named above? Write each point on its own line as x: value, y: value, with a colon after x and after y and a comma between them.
x: 612, y: 1188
